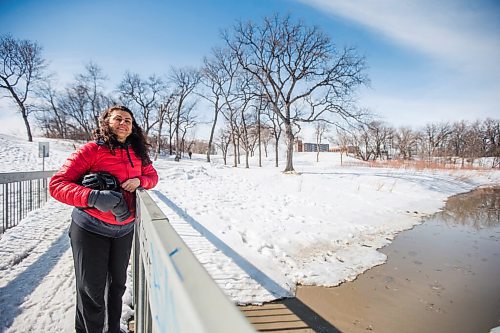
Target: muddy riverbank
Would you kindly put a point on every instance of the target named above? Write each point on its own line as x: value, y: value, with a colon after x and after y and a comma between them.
x: 441, y: 276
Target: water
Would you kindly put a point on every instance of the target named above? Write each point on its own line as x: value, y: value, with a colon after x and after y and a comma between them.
x: 441, y: 276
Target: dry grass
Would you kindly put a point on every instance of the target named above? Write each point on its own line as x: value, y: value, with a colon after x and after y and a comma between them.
x: 420, y: 165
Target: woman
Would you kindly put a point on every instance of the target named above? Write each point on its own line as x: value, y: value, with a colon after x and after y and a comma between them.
x: 102, y: 224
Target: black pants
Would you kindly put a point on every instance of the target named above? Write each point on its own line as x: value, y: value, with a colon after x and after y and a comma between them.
x: 100, y: 262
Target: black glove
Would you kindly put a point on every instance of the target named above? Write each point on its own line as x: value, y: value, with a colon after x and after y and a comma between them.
x: 101, y: 181
x: 120, y: 211
x: 109, y: 200
x: 104, y: 200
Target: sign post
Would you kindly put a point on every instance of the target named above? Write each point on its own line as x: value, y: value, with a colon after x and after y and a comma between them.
x: 43, y: 151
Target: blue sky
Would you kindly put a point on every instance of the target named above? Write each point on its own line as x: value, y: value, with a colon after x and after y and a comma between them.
x: 429, y: 61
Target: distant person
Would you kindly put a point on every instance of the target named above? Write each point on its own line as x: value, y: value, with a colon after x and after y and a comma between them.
x: 190, y: 153
x: 102, y: 224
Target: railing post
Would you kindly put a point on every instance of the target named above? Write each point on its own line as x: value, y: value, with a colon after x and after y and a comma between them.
x: 19, y: 201
x: 46, y: 189
x: 6, y: 206
x: 31, y: 194
x: 39, y: 195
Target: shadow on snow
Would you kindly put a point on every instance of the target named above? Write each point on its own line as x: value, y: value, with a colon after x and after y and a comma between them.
x: 14, y: 293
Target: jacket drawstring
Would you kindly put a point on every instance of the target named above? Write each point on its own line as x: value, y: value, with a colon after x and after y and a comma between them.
x: 128, y: 155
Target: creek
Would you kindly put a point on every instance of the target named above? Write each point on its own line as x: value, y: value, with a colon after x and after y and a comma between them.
x: 441, y: 276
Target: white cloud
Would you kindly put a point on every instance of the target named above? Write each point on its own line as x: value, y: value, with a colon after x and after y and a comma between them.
x: 461, y: 38
x: 458, y: 34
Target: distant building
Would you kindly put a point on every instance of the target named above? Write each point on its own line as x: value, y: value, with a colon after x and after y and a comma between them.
x: 300, y: 146
x: 346, y: 149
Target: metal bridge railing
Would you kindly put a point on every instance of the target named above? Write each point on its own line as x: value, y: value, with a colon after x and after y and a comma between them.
x: 172, y: 290
x: 20, y: 193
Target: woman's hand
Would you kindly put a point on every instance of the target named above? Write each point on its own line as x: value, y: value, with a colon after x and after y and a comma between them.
x: 131, y: 184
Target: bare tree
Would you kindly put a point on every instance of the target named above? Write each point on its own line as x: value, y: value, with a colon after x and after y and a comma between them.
x: 363, y: 141
x: 75, y: 104
x: 265, y: 136
x: 51, y: 117
x: 405, y: 140
x: 435, y: 136
x: 343, y: 140
x: 276, y: 130
x: 184, y: 82
x: 244, y: 100
x: 259, y: 108
x: 474, y: 142
x: 145, y: 94
x: 223, y: 142
x: 164, y: 110
x: 83, y: 101
x: 91, y: 84
x: 381, y: 135
x: 169, y: 117
x: 232, y: 119
x: 187, y: 121
x: 216, y: 78
x: 298, y: 65
x: 458, y: 140
x: 228, y: 77
x: 21, y: 68
x: 320, y: 128
x: 253, y: 135
x: 490, y: 132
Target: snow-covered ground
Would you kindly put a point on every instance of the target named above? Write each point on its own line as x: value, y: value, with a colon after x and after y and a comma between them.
x: 257, y: 231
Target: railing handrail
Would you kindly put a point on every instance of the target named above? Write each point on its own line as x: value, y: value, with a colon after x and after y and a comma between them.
x: 10, y: 177
x: 172, y: 290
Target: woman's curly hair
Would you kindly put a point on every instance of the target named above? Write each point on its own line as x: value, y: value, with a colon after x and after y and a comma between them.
x: 136, y: 139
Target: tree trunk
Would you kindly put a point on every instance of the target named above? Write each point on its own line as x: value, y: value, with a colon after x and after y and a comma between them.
x: 238, y: 151
x: 210, y: 140
x: 276, y: 151
x: 258, y: 129
x: 158, y: 141
x: 177, y: 143
x: 235, y: 153
x: 27, y: 124
x: 24, y: 113
x: 289, y: 148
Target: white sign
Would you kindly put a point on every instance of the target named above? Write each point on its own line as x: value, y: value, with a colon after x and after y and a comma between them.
x: 43, y: 149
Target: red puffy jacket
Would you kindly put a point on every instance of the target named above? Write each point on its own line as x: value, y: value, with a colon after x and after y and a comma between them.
x: 95, y: 157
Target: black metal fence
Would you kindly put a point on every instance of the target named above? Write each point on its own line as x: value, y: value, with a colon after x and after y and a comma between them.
x: 20, y: 193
